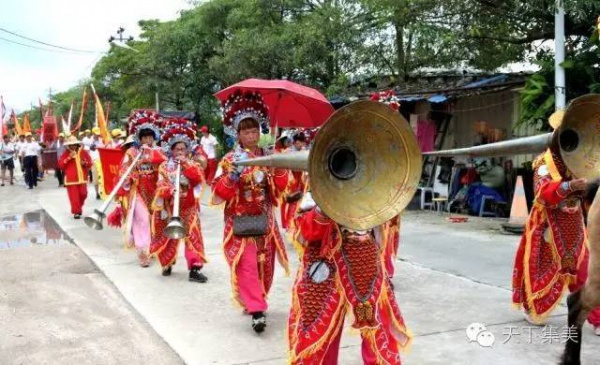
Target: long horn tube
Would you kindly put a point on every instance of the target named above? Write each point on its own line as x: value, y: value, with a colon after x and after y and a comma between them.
x: 94, y: 220
x: 513, y: 147
x: 293, y: 160
x: 175, y: 229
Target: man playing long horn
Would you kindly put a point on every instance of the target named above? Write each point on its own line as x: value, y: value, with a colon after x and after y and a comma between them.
x: 552, y: 255
x: 178, y: 136
x: 251, y: 239
x: 342, y: 270
x: 140, y: 187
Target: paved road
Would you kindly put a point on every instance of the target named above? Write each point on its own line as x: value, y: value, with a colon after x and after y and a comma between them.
x: 448, y: 276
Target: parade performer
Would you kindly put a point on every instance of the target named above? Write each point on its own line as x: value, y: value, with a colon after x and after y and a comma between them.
x: 553, y: 254
x: 178, y: 136
x: 209, y: 146
x: 75, y: 163
x: 342, y: 270
x: 251, y: 237
x: 199, y: 155
x: 140, y: 186
x: 296, y: 187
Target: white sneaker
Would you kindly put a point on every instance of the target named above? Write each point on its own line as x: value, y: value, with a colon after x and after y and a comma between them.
x: 597, y: 330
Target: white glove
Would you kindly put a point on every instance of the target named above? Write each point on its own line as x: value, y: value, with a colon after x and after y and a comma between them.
x: 307, y: 202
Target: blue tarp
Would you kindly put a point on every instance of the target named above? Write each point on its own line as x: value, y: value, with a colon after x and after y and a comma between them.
x: 488, y: 81
x: 438, y: 98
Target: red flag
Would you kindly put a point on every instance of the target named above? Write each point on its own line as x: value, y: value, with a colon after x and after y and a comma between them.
x: 3, y: 126
x: 49, y: 129
x: 110, y: 163
x: 83, y: 108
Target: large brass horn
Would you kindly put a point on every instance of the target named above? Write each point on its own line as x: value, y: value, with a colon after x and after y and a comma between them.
x: 578, y: 138
x: 95, y: 219
x: 364, y: 166
x: 175, y: 229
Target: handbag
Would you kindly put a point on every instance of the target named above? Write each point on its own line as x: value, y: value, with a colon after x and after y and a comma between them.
x: 250, y: 225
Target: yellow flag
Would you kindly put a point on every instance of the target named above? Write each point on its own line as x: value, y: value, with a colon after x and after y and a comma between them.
x: 102, y: 123
x: 26, y: 126
x: 17, y: 125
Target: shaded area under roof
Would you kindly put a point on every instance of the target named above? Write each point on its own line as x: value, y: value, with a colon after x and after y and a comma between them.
x: 437, y: 89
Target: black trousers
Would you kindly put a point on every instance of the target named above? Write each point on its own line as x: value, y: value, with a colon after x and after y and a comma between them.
x: 60, y: 177
x: 31, y: 170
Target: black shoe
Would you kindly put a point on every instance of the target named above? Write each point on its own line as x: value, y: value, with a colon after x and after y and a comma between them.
x: 197, y: 276
x: 167, y: 271
x: 259, y: 322
x: 77, y: 216
x: 97, y: 196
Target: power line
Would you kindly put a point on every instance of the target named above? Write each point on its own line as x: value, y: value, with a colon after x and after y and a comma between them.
x: 34, y: 47
x: 46, y: 44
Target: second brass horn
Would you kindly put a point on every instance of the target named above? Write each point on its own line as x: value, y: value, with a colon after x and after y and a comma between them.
x: 175, y: 229
x: 364, y: 166
x: 578, y: 139
x: 95, y: 219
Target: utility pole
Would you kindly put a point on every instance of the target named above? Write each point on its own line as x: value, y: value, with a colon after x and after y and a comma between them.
x: 560, y: 89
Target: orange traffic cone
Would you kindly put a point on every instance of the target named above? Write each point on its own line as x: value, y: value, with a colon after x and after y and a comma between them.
x: 518, y: 210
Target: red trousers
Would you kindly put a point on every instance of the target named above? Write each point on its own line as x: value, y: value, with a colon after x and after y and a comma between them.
x: 210, y: 170
x: 250, y: 286
x: 77, y: 195
x: 333, y: 351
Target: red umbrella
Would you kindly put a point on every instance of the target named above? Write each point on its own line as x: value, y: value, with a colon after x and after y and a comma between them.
x: 290, y: 105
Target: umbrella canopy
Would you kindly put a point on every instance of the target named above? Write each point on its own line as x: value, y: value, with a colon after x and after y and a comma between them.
x: 290, y: 105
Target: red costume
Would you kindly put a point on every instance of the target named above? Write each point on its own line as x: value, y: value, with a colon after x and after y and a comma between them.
x: 75, y: 170
x: 552, y: 255
x: 355, y: 279
x: 391, y: 240
x: 190, y: 187
x: 295, y: 190
x: 137, y: 193
x: 251, y: 259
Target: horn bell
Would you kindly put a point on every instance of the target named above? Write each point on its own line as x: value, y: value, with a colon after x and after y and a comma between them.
x: 365, y: 165
x: 579, y: 137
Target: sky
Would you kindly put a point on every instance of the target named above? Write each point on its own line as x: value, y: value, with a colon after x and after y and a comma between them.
x: 27, y: 73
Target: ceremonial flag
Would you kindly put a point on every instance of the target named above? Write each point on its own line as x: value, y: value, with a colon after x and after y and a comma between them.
x: 26, y: 126
x: 83, y: 108
x: 3, y: 127
x: 70, y: 117
x: 65, y: 127
x: 16, y: 121
x: 41, y: 108
x: 49, y: 129
x: 110, y: 164
x: 100, y: 118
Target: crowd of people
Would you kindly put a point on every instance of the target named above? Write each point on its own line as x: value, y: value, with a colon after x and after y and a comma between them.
x: 341, y: 270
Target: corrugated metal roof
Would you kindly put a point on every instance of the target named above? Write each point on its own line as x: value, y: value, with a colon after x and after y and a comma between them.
x: 489, y: 80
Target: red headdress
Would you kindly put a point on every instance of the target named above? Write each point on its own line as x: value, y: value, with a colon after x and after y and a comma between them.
x: 178, y: 130
x: 242, y: 105
x: 387, y: 97
x: 144, y: 119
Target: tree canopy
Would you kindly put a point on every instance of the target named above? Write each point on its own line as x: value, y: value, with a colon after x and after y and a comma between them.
x: 328, y: 44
